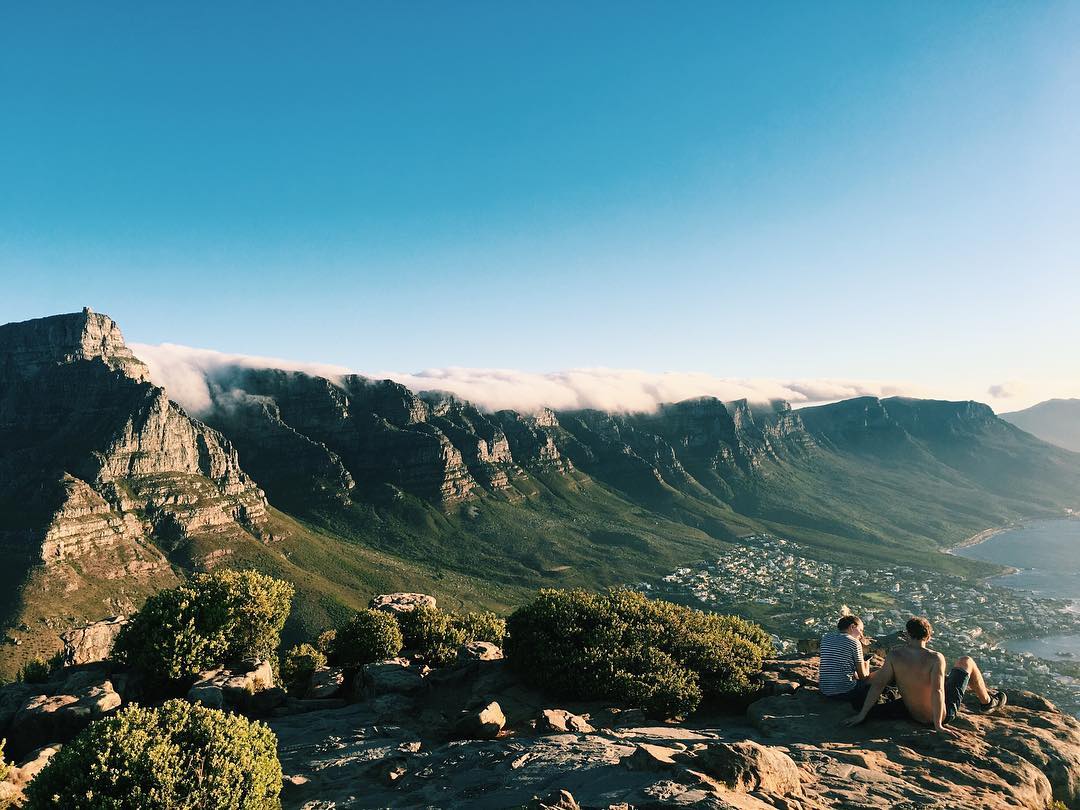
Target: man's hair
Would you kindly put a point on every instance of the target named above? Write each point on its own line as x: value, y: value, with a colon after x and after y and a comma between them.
x: 919, y: 628
x: 846, y: 622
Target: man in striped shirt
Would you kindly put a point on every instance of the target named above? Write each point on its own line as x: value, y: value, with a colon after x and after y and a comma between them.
x: 843, y: 673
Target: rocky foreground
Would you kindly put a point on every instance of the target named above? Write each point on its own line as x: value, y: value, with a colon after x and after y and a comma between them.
x: 471, y: 735
x: 789, y: 751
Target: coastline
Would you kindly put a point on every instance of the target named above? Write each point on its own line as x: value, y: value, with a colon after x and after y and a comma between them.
x: 983, y: 536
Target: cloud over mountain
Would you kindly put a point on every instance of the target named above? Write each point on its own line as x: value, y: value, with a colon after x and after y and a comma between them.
x: 187, y: 373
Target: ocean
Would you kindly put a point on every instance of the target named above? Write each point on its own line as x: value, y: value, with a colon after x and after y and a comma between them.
x: 1047, y: 556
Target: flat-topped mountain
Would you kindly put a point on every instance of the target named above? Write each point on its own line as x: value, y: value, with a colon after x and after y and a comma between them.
x: 347, y: 485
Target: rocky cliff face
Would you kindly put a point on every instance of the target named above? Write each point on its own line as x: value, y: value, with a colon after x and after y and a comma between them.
x: 99, y: 472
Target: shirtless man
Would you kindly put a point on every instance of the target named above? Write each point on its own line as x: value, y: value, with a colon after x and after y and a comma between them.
x: 927, y: 694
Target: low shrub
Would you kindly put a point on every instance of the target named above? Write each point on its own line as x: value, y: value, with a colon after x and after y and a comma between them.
x: 208, y: 621
x: 436, y: 635
x: 5, y: 768
x: 325, y: 641
x: 482, y: 626
x: 432, y: 634
x: 370, y: 635
x: 179, y: 756
x: 35, y: 671
x: 299, y: 664
x: 662, y: 657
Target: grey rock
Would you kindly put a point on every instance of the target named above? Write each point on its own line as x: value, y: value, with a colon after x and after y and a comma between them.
x: 561, y: 721
x: 326, y: 682
x: 484, y: 724
x: 91, y: 643
x: 479, y: 651
x: 402, y: 602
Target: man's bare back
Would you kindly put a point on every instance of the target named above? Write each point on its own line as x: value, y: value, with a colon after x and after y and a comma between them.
x: 919, y: 673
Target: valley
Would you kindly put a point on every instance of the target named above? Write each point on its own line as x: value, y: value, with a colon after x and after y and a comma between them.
x: 349, y: 486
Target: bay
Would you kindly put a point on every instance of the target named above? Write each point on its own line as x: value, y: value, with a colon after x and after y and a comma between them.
x: 1046, y: 555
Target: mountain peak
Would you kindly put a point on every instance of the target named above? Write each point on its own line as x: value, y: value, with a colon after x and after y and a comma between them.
x: 27, y: 347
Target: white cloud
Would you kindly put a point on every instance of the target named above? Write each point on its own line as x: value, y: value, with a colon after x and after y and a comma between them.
x: 186, y: 373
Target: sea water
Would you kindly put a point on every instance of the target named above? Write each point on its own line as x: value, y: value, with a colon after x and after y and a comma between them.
x: 1046, y: 555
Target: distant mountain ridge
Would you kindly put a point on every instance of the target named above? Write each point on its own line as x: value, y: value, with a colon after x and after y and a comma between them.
x: 1056, y: 421
x: 108, y: 490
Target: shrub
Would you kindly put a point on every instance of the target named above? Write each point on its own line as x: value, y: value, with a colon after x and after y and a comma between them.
x: 370, y: 635
x: 483, y: 626
x: 206, y: 622
x: 5, y: 768
x: 431, y: 633
x: 325, y: 641
x: 299, y: 665
x: 35, y: 671
x: 436, y: 635
x: 179, y: 756
x: 622, y: 646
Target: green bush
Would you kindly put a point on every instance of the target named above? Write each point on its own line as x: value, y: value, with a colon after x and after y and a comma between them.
x: 35, y: 671
x: 370, y: 635
x: 436, y: 635
x: 179, y: 756
x: 662, y: 657
x: 208, y: 621
x: 325, y: 641
x: 431, y: 633
x: 483, y: 626
x: 299, y: 665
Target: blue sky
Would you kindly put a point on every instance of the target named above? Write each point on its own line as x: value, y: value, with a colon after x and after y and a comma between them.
x: 784, y: 190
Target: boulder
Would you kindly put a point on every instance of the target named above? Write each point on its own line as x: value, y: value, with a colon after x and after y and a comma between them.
x: 484, y: 724
x: 248, y: 688
x: 46, y: 719
x: 326, y: 682
x: 649, y: 757
x: 560, y: 721
x: 394, y: 676
x: 479, y: 651
x: 747, y: 766
x: 94, y: 642
x: 559, y: 800
x: 401, y: 602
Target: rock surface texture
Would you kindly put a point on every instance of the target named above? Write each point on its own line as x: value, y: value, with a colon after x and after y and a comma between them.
x: 101, y: 476
x: 789, y: 751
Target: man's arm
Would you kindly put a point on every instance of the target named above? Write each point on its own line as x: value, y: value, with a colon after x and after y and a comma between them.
x: 878, y: 682
x: 937, y: 692
x: 862, y: 666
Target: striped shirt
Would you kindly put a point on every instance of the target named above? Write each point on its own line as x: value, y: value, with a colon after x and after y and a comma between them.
x: 841, y: 657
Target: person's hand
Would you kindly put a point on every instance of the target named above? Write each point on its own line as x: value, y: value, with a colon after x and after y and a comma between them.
x: 951, y: 732
x: 854, y: 720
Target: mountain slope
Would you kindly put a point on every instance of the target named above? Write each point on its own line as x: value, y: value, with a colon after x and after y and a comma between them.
x: 350, y: 486
x: 1056, y: 421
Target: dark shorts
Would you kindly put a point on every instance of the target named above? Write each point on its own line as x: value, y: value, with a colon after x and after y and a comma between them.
x: 956, y: 683
x: 888, y: 707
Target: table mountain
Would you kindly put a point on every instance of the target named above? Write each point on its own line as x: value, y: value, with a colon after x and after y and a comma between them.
x: 108, y: 489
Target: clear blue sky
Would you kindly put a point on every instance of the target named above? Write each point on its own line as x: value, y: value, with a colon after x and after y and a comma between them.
x: 865, y: 189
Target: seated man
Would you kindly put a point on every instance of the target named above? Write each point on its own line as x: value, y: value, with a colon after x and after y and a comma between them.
x: 927, y: 694
x: 842, y: 672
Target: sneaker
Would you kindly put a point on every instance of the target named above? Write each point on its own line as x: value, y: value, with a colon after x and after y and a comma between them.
x: 997, y: 700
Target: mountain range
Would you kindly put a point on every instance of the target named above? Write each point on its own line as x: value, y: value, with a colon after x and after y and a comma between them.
x: 347, y: 486
x: 1056, y: 421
